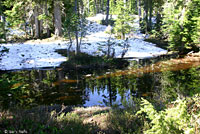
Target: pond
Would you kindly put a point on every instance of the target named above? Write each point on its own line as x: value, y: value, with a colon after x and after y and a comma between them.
x: 159, y: 82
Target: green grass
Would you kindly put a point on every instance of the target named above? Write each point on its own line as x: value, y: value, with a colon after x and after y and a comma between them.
x: 44, y: 123
x: 42, y: 120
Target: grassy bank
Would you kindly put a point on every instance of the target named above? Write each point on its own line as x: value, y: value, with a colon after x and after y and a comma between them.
x: 57, y: 119
x: 180, y: 116
x: 65, y: 119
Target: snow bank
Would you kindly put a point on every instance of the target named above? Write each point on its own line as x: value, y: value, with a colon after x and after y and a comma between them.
x: 32, y: 55
x: 26, y: 56
x: 96, y: 43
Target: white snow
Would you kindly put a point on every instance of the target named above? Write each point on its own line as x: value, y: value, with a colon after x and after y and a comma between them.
x: 17, y: 32
x: 100, y: 16
x: 32, y: 55
x: 26, y: 56
x: 97, y: 39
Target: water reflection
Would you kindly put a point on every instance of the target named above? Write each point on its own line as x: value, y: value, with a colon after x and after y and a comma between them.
x: 40, y: 87
x: 162, y: 66
x: 47, y: 87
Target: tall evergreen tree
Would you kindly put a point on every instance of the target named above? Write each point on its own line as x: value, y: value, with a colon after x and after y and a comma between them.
x: 181, y: 19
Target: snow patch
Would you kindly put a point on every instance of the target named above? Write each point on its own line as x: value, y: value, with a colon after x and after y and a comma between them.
x: 26, y: 56
x: 32, y: 55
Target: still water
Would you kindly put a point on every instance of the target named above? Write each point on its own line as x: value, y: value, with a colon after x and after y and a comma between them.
x: 161, y: 82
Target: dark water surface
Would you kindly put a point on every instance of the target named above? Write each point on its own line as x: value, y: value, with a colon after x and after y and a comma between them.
x: 160, y: 82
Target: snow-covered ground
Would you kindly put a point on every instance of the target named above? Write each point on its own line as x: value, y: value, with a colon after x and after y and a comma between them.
x: 17, y: 32
x: 96, y: 41
x: 34, y: 55
x: 26, y: 56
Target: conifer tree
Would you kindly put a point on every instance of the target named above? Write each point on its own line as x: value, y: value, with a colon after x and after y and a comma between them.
x: 181, y: 19
x: 124, y: 20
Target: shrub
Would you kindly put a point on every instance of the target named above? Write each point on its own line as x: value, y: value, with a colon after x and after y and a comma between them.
x: 180, y: 117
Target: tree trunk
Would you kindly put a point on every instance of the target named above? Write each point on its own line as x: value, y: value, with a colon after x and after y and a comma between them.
x: 57, y: 17
x: 108, y: 50
x: 102, y: 6
x: 4, y: 28
x: 71, y: 43
x: 41, y: 21
x: 41, y: 27
x: 158, y: 21
x: 150, y: 15
x: 76, y: 31
x: 146, y: 8
x: 32, y: 28
x: 136, y: 6
x: 3, y: 22
x: 25, y: 29
x: 107, y: 11
x: 110, y: 91
x: 139, y: 12
x: 88, y: 6
x: 37, y: 24
x: 81, y: 7
x: 96, y: 7
x: 46, y: 13
x: 77, y: 44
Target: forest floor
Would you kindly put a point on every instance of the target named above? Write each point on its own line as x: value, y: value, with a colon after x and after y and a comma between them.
x: 94, y: 119
x: 41, y: 53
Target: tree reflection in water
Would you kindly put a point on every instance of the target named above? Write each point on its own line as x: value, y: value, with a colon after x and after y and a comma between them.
x: 176, y: 78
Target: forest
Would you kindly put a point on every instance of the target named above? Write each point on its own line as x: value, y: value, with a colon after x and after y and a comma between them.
x: 173, y: 21
x: 100, y: 66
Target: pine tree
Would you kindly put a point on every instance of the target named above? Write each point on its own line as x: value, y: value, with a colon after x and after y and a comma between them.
x: 124, y: 20
x: 181, y: 24
x: 74, y: 23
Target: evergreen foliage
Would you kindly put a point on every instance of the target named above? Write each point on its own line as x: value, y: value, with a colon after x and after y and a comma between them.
x: 16, y: 15
x: 180, y: 117
x: 124, y: 20
x: 181, y: 19
x: 2, y: 22
x: 175, y: 84
x: 74, y: 23
x: 2, y: 31
x: 176, y: 21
